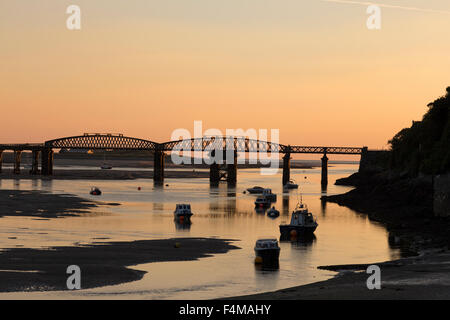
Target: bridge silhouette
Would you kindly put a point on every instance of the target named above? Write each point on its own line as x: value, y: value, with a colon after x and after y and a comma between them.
x: 218, y: 171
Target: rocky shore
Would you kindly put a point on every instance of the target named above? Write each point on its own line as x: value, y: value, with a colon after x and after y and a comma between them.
x: 403, y: 204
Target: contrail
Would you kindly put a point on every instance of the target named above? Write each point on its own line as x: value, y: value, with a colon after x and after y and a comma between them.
x: 365, y: 3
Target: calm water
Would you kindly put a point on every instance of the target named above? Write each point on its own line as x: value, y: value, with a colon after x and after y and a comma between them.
x: 343, y: 236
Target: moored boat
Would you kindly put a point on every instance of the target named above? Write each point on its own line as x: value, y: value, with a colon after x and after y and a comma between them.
x: 302, y: 221
x: 290, y: 185
x: 262, y: 201
x: 95, y: 191
x: 183, y: 212
x: 106, y: 166
x: 273, y: 213
x: 267, y: 250
x: 255, y: 190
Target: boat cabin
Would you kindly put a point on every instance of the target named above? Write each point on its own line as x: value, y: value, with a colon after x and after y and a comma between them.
x: 301, y: 216
x: 183, y: 207
x: 266, y: 244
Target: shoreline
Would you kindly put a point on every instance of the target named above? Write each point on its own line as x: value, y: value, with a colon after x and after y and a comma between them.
x: 426, y: 276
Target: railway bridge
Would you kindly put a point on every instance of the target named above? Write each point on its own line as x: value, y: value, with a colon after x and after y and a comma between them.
x: 218, y: 170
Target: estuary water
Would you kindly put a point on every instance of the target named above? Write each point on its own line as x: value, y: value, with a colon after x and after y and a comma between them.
x: 343, y: 236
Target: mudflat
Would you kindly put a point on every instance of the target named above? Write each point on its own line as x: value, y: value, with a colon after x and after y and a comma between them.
x: 44, y: 205
x: 101, y: 264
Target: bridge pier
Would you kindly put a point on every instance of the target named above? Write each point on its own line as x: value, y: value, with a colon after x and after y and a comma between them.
x: 17, y: 158
x: 286, y: 168
x: 47, y: 162
x: 158, y: 167
x: 1, y: 160
x: 232, y: 172
x: 324, y: 180
x: 214, y: 174
x: 35, y: 162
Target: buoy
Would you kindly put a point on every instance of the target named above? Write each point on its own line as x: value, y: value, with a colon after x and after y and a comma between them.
x: 258, y: 260
x: 177, y: 245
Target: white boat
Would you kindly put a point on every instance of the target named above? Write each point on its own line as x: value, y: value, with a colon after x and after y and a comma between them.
x: 302, y: 221
x: 267, y: 249
x: 262, y: 201
x: 273, y: 213
x: 183, y: 211
x: 255, y: 190
x: 290, y: 185
x: 267, y: 193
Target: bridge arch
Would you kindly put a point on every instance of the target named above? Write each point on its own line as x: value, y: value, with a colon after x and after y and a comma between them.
x: 209, y: 143
x: 101, y: 141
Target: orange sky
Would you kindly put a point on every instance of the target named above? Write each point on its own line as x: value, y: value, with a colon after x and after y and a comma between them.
x: 145, y: 68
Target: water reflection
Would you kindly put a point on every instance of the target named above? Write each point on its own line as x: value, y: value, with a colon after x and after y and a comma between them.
x: 301, y: 241
x: 184, y: 225
x: 47, y: 185
x: 269, y: 265
x: 323, y: 207
x: 223, y: 199
x: 285, y: 203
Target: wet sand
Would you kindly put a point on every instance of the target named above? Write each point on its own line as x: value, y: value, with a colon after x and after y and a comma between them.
x: 41, y: 204
x: 423, y: 277
x: 101, y: 264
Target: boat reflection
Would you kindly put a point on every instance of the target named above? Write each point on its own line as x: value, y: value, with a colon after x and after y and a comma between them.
x: 301, y: 240
x: 268, y: 266
x: 260, y: 210
x: 182, y: 224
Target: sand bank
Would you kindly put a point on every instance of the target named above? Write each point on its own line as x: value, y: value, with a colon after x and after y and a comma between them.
x: 101, y: 264
x: 44, y: 205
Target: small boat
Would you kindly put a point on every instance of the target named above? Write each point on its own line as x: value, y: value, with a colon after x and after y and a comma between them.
x: 302, y: 221
x: 255, y: 190
x: 267, y: 193
x: 267, y: 249
x: 262, y: 201
x: 273, y: 213
x: 106, y: 166
x: 95, y: 191
x: 290, y: 185
x: 183, y: 212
